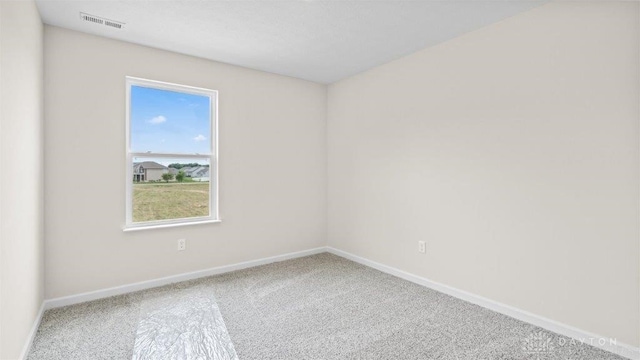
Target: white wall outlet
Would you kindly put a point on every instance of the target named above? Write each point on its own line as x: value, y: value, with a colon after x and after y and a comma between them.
x: 422, y: 247
x: 182, y: 244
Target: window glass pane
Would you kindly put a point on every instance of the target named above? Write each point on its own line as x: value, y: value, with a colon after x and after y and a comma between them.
x: 164, y: 121
x: 170, y: 188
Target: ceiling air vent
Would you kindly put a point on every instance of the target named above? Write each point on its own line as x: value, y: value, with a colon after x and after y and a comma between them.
x: 114, y: 24
x: 100, y: 21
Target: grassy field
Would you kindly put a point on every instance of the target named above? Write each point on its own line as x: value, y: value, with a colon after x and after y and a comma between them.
x: 161, y: 201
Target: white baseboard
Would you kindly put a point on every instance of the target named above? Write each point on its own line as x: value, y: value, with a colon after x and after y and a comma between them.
x: 143, y: 285
x: 624, y: 350
x: 32, y: 333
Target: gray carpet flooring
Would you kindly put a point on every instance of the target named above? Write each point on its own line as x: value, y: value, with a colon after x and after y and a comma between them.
x: 317, y: 307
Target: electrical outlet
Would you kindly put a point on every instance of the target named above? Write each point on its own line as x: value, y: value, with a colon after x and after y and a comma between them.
x: 422, y: 247
x: 182, y: 244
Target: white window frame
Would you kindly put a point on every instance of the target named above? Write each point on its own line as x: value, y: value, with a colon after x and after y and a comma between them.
x: 212, y: 157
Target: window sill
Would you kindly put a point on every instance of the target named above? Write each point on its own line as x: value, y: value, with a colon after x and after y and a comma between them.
x: 163, y: 226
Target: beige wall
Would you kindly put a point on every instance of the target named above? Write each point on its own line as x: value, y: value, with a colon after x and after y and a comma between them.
x: 21, y: 244
x: 513, y: 152
x: 272, y: 165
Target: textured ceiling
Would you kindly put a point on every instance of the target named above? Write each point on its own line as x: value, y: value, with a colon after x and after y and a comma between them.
x: 321, y: 41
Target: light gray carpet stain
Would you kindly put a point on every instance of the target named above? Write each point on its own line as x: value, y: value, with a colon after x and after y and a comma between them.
x: 317, y: 307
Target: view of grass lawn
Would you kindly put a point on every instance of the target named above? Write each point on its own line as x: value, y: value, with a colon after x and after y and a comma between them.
x: 162, y: 201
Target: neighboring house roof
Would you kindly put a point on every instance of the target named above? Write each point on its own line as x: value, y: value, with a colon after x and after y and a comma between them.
x: 196, y: 171
x: 150, y: 165
x: 173, y: 171
x: 189, y: 171
x: 201, y: 172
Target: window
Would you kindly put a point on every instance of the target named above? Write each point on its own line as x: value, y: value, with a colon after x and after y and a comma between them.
x: 171, y: 132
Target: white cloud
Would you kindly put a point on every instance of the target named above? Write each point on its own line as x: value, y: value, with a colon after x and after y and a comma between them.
x: 200, y: 138
x: 157, y: 120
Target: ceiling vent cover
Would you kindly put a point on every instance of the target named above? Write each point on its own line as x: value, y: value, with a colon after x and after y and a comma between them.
x: 101, y: 21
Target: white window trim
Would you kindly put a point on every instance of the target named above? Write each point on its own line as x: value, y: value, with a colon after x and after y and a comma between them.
x: 214, y: 214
